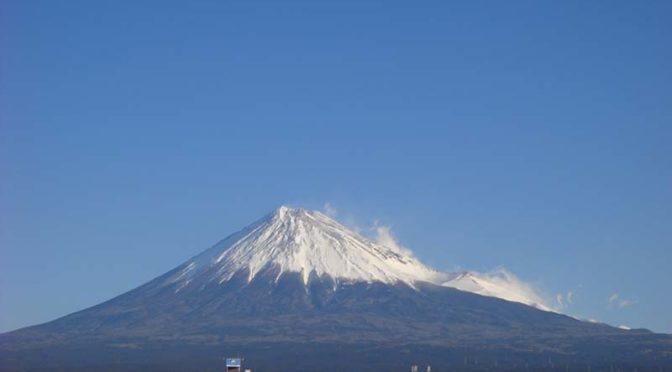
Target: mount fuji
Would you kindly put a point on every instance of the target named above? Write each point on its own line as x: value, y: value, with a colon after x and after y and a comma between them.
x: 298, y: 291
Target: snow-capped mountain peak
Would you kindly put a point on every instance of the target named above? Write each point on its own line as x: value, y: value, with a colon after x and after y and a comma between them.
x: 310, y: 243
x: 307, y: 242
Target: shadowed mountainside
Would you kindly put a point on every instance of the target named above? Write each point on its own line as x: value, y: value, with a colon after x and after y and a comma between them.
x: 284, y: 325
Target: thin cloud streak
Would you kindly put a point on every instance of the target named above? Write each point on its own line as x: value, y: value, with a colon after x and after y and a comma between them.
x: 616, y: 301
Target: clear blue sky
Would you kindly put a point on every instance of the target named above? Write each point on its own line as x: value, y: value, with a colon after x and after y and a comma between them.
x: 534, y: 135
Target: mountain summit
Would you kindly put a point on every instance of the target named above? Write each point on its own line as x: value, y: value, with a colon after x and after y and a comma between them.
x: 297, y: 291
x: 294, y: 240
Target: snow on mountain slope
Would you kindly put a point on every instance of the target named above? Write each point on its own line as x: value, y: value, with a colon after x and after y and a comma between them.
x: 310, y: 243
x: 305, y: 242
x: 500, y: 283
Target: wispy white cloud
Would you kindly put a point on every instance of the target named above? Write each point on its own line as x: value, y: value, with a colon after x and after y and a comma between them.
x: 613, y: 298
x: 348, y: 220
x: 562, y: 301
x: 329, y: 209
x: 378, y: 232
x: 385, y: 237
x: 616, y: 301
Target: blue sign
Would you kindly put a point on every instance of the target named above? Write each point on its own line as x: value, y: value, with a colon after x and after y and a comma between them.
x: 233, y: 362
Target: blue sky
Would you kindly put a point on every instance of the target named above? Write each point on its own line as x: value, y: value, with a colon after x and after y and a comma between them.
x: 529, y: 135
